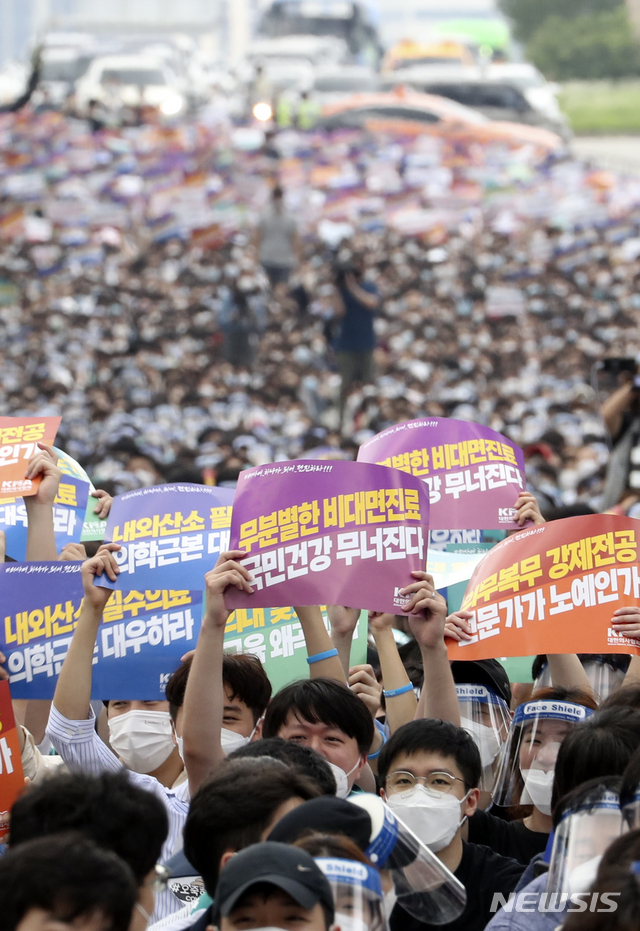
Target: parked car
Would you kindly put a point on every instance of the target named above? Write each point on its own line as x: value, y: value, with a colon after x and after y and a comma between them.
x: 492, y: 90
x: 435, y: 115
x: 117, y: 81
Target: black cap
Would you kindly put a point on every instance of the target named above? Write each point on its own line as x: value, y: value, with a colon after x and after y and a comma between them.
x: 289, y: 868
x: 487, y: 672
x: 326, y: 815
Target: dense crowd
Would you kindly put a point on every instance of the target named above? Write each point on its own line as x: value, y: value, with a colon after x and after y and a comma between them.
x: 408, y: 793
x: 134, y: 305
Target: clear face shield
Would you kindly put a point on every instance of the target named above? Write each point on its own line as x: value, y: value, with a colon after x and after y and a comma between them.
x: 528, y: 758
x: 603, y: 678
x: 357, y: 894
x: 486, y: 717
x: 580, y: 840
x: 423, y: 885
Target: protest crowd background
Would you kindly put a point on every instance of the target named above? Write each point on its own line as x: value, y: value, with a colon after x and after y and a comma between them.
x: 381, y: 786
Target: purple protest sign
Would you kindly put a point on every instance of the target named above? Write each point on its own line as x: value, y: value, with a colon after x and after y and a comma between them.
x: 328, y: 533
x: 474, y: 474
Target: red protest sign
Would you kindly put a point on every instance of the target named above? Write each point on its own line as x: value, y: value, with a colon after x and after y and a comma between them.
x: 11, y: 775
x: 19, y: 438
x: 553, y: 589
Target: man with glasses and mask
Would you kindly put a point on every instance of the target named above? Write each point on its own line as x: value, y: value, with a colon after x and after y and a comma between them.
x: 429, y: 772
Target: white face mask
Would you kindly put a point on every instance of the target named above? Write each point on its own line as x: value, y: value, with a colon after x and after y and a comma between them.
x: 180, y: 743
x: 142, y: 739
x: 485, y: 738
x: 538, y: 787
x: 433, y: 816
x: 342, y: 779
x: 231, y: 740
x: 582, y: 877
x: 350, y: 922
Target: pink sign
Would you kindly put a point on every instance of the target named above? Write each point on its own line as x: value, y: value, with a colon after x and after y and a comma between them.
x: 344, y: 533
x: 474, y: 474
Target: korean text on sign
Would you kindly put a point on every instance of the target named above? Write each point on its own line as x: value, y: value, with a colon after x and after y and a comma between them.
x: 559, y: 598
x: 360, y: 509
x: 465, y: 465
x: 19, y: 438
x: 344, y: 530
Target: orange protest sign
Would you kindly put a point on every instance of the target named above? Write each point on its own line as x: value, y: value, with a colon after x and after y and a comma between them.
x: 553, y: 589
x: 11, y: 775
x: 19, y: 438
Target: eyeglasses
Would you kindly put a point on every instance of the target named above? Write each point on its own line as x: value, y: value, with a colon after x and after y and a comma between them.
x: 160, y: 879
x: 401, y: 781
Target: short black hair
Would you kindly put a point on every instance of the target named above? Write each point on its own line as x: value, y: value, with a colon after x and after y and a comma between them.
x: 308, y: 761
x: 68, y: 876
x: 243, y: 673
x: 600, y: 746
x: 626, y: 697
x: 322, y: 700
x: 108, y: 809
x: 433, y: 736
x: 585, y: 796
x: 234, y: 808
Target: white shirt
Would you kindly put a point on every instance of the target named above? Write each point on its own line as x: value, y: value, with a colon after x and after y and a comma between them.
x: 82, y: 750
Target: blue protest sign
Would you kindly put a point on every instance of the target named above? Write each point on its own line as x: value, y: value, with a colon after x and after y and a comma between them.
x: 170, y: 535
x: 140, y: 641
x: 68, y: 516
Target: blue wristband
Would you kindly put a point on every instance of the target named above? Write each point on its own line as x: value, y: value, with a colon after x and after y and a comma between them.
x: 374, y: 756
x: 320, y: 656
x: 401, y: 691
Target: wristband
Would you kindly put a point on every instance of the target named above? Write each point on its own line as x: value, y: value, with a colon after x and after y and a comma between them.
x: 320, y: 656
x: 374, y: 756
x: 401, y: 691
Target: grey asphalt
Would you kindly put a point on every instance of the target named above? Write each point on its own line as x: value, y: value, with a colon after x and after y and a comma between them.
x: 615, y: 153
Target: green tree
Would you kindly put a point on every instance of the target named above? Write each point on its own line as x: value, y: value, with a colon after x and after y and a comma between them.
x: 527, y: 16
x: 588, y: 47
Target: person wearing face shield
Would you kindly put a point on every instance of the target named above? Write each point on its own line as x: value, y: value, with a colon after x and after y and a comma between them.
x: 527, y: 766
x: 429, y: 771
x: 586, y: 822
x: 413, y: 878
x: 605, y: 672
x: 484, y: 697
x: 355, y: 883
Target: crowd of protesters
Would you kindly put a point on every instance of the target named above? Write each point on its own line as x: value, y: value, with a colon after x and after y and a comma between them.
x: 139, y: 302
x: 135, y: 305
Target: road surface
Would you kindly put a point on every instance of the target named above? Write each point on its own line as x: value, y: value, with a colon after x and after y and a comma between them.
x: 615, y: 153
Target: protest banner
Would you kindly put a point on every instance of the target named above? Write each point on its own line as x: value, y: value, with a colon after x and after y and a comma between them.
x: 11, y: 775
x: 140, y: 641
x: 19, y: 438
x: 553, y: 589
x: 69, y: 509
x: 169, y: 535
x: 93, y: 527
x: 344, y: 532
x: 275, y: 636
x: 474, y: 474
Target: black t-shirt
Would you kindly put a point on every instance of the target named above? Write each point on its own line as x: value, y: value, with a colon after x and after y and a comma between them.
x: 508, y: 838
x: 483, y: 873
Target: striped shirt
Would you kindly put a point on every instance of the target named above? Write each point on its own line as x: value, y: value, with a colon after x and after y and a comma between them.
x: 82, y: 750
